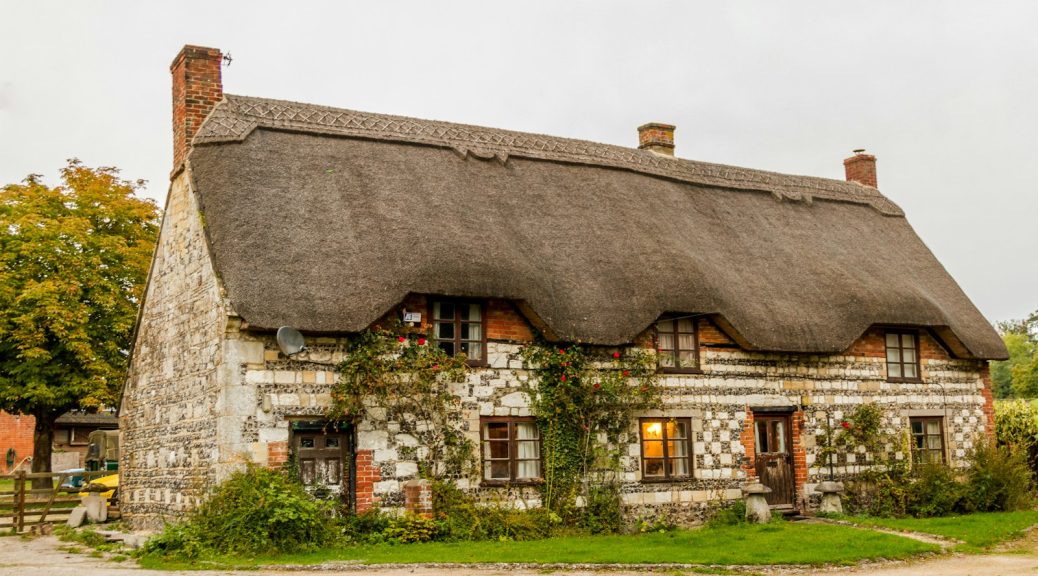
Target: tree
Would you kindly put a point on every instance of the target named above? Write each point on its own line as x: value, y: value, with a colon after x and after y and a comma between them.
x: 73, y: 263
x: 1017, y: 376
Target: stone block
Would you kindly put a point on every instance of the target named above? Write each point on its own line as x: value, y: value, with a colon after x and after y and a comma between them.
x: 514, y: 400
x: 77, y: 517
x: 406, y: 469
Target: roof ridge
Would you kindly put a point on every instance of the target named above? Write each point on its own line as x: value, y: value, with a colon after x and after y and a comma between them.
x: 235, y: 117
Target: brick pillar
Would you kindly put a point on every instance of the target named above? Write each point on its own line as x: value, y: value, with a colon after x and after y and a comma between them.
x: 799, y: 458
x: 418, y: 498
x: 277, y: 454
x: 748, y: 444
x: 989, y: 398
x: 861, y: 168
x: 367, y: 474
x: 197, y: 88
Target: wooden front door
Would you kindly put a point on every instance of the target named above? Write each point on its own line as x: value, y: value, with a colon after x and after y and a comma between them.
x: 324, y: 463
x: 773, y: 459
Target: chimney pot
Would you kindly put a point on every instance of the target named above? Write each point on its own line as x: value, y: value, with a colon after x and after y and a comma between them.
x: 861, y: 168
x: 197, y: 89
x: 656, y: 137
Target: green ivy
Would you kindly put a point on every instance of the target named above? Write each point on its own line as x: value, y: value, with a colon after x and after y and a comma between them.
x: 584, y: 400
x: 397, y: 375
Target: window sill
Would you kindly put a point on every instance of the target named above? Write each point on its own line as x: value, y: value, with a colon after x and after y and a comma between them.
x: 906, y: 380
x: 680, y: 370
x: 669, y: 480
x: 510, y: 483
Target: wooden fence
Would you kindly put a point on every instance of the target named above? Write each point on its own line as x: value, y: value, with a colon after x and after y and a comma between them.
x: 25, y: 506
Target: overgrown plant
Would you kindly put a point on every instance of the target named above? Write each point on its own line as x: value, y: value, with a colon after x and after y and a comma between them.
x: 396, y: 375
x: 584, y: 400
x: 861, y: 429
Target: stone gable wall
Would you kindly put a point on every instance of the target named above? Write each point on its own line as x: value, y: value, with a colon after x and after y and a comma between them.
x: 167, y: 414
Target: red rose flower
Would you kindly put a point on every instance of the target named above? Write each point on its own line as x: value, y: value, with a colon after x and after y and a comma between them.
x: 627, y: 372
x: 846, y: 425
x: 401, y: 339
x: 435, y: 366
x: 421, y: 341
x: 616, y: 354
x: 562, y: 378
x: 598, y: 386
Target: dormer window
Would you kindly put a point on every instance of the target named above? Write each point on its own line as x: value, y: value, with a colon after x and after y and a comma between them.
x: 460, y: 326
x: 902, y: 356
x: 677, y: 344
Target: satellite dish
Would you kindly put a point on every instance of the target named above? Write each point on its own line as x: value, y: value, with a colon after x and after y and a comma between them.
x: 290, y: 341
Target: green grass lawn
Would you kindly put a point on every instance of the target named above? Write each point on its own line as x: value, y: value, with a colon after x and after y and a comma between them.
x: 775, y: 543
x: 978, y: 531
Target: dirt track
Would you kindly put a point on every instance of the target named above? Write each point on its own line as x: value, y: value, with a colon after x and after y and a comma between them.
x: 45, y: 557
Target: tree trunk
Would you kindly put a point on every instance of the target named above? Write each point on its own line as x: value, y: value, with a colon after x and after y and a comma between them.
x: 42, y: 446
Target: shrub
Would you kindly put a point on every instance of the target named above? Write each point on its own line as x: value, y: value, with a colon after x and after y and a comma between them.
x: 367, y: 527
x: 258, y: 511
x: 411, y: 528
x: 934, y: 491
x: 1016, y: 427
x: 461, y: 518
x: 730, y: 515
x: 999, y: 478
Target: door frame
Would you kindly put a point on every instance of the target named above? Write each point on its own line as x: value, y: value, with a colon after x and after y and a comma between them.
x: 788, y: 414
x: 309, y: 425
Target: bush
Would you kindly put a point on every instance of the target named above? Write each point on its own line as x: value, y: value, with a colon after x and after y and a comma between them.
x: 255, y: 512
x: 729, y: 515
x: 461, y: 518
x: 1016, y: 427
x: 934, y: 491
x: 411, y: 528
x: 998, y: 479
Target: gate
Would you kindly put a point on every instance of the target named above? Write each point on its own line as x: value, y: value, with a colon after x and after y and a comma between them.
x: 21, y: 505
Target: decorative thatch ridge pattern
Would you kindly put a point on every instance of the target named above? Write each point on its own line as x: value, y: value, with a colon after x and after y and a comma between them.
x: 237, y: 116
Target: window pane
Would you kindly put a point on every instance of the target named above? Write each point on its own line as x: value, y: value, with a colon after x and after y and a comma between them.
x: 677, y: 448
x: 933, y: 427
x: 760, y: 436
x: 306, y: 442
x: 666, y: 341
x: 665, y: 326
x: 447, y: 347
x: 685, y: 325
x: 679, y: 467
x: 779, y: 436
x: 892, y: 341
x: 908, y: 341
x: 443, y: 310
x: 933, y: 442
x: 496, y: 470
x: 331, y: 442
x: 471, y: 331
x: 654, y: 467
x: 496, y: 430
x: 676, y: 430
x: 686, y: 342
x: 652, y: 430
x: 470, y: 312
x: 917, y: 427
x: 527, y: 470
x: 444, y: 331
x: 688, y: 359
x: 526, y: 431
x: 472, y: 350
x: 910, y: 371
x: 909, y: 354
x: 652, y: 449
x: 495, y: 450
x: 893, y: 355
x: 893, y: 370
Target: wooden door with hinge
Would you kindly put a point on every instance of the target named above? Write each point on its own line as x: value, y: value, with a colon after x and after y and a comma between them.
x: 773, y: 459
x: 324, y: 463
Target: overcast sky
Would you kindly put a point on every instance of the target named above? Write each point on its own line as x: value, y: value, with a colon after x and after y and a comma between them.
x: 945, y: 93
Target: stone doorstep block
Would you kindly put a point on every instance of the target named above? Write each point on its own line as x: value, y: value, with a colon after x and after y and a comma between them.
x: 77, y: 517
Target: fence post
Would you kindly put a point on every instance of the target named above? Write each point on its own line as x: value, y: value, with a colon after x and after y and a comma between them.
x: 19, y: 494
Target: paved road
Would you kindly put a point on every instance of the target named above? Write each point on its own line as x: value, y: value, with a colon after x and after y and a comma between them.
x: 45, y: 557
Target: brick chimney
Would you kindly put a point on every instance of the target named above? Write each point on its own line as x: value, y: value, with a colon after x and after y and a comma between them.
x: 658, y: 138
x: 197, y: 88
x: 861, y: 168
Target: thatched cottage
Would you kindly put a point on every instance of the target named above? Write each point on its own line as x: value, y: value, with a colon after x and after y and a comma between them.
x: 774, y: 302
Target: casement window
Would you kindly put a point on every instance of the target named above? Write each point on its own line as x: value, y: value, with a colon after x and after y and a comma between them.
x: 79, y: 436
x: 511, y: 450
x: 902, y: 356
x: 927, y: 440
x: 460, y: 326
x: 666, y: 448
x: 677, y: 344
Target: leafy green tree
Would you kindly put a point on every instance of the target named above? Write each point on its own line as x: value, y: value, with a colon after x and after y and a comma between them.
x: 73, y: 263
x: 1021, y: 353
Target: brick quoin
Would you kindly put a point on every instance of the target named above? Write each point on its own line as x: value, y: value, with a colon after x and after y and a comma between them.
x: 749, y: 447
x: 799, y: 458
x: 367, y: 474
x: 277, y: 454
x: 989, y: 399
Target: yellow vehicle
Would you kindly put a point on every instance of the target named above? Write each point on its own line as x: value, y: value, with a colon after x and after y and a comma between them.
x: 110, y: 481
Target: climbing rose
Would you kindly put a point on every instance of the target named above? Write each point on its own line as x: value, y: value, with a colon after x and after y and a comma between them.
x: 846, y: 425
x: 561, y: 351
x: 400, y: 339
x: 598, y: 386
x: 563, y: 378
x: 627, y: 372
x: 616, y: 354
x: 421, y: 341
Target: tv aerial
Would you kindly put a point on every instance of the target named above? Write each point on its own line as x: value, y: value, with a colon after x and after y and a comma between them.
x: 290, y: 341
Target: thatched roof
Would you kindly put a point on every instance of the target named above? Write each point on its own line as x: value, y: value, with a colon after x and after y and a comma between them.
x: 324, y: 219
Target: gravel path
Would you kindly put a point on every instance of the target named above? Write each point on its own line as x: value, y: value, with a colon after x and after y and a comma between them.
x: 45, y: 556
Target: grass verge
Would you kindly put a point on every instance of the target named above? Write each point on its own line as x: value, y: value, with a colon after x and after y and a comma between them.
x: 978, y: 531
x: 775, y: 543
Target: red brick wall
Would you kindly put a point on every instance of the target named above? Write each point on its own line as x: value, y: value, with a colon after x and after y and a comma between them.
x: 277, y: 454
x: 989, y: 399
x: 197, y: 88
x: 873, y: 344
x: 709, y: 333
x: 504, y: 322
x: 861, y: 168
x: 750, y: 447
x: 367, y: 474
x: 799, y: 455
x: 15, y: 432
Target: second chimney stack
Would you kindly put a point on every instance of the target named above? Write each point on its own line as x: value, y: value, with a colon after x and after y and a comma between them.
x: 861, y: 168
x: 656, y: 137
x: 197, y: 88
